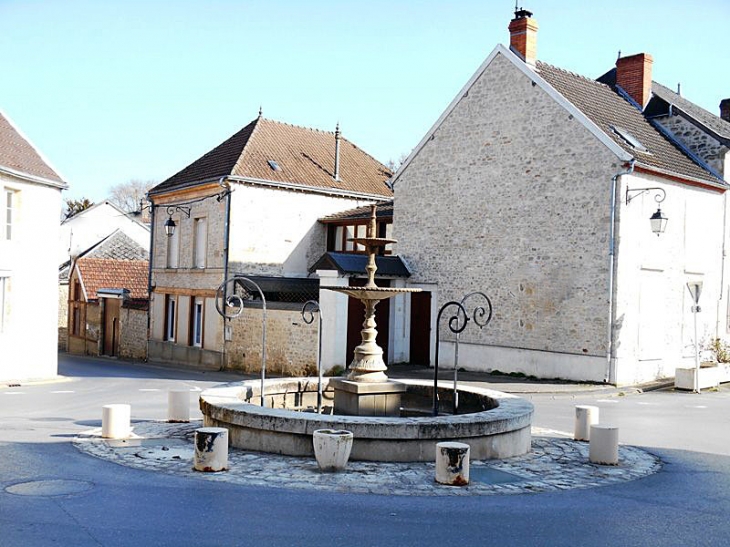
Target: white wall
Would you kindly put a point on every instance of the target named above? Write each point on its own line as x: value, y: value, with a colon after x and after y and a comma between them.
x: 94, y: 224
x: 29, y: 343
x: 654, y: 325
x: 275, y: 232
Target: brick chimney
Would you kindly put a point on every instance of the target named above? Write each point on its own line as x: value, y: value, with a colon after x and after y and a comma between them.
x: 633, y: 74
x: 523, y: 36
x: 725, y: 109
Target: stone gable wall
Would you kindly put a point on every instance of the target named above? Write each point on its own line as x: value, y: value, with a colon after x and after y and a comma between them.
x: 697, y: 140
x: 511, y: 196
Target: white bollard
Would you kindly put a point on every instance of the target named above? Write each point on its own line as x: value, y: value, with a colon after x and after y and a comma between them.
x: 585, y: 417
x: 452, y: 463
x: 211, y: 449
x: 604, y: 445
x: 178, y: 405
x: 115, y: 421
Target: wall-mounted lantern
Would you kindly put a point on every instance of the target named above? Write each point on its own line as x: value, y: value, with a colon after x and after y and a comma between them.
x: 171, y: 224
x: 658, y: 220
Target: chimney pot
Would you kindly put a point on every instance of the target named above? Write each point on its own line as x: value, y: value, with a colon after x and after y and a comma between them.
x: 523, y: 36
x: 725, y: 109
x: 633, y: 75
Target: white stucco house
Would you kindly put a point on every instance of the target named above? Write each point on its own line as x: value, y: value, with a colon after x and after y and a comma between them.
x: 31, y: 202
x: 251, y: 206
x: 536, y: 186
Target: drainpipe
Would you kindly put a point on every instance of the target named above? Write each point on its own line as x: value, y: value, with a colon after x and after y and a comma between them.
x: 226, y: 242
x: 610, y: 365
x: 337, y: 153
x: 149, y: 274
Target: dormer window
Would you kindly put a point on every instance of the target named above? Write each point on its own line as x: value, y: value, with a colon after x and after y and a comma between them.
x: 274, y: 166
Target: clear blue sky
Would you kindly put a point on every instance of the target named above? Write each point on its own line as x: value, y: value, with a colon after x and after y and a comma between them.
x: 111, y: 90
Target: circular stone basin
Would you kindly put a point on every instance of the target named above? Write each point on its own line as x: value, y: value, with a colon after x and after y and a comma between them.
x: 498, y: 428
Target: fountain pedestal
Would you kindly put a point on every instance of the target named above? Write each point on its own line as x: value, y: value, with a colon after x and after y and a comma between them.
x: 367, y: 390
x: 367, y: 399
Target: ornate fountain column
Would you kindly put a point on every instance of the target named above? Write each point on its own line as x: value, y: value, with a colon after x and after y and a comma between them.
x: 367, y: 391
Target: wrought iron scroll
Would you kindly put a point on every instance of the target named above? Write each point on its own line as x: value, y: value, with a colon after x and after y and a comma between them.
x: 308, y: 310
x: 456, y: 327
x: 481, y: 316
x: 229, y: 302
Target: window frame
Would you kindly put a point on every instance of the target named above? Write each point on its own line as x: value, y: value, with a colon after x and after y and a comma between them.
x: 170, y: 325
x: 172, y: 254
x: 200, y: 243
x: 197, y: 324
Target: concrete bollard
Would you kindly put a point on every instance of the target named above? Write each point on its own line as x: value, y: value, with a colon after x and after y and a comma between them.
x: 585, y: 417
x: 178, y: 405
x: 211, y: 449
x: 452, y: 463
x: 604, y: 445
x: 115, y: 420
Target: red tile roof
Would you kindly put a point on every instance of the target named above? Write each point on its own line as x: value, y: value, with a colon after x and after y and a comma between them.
x: 305, y: 157
x: 105, y: 273
x: 18, y: 154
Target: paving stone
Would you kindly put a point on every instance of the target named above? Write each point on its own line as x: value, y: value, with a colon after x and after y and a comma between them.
x: 555, y: 464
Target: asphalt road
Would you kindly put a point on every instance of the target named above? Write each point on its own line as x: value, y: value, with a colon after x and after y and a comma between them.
x: 686, y: 504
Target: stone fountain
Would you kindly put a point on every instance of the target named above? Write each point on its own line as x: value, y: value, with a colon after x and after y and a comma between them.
x: 367, y: 391
x: 279, y: 415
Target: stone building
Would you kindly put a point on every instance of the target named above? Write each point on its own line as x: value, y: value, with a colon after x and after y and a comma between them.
x: 83, y: 232
x: 532, y: 187
x: 108, y: 300
x: 30, y: 201
x: 251, y: 207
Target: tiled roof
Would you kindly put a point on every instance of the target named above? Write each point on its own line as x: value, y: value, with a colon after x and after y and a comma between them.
x: 105, y: 273
x: 714, y: 123
x: 606, y: 108
x: 384, y: 210
x: 305, y: 157
x: 18, y: 154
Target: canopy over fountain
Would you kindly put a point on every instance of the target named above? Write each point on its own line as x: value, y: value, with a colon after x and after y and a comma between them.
x: 367, y: 391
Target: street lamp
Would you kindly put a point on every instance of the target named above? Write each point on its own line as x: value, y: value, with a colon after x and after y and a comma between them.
x: 658, y: 220
x: 171, y: 224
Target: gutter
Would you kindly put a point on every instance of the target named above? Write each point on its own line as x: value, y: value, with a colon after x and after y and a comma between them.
x: 610, y: 363
x: 33, y: 178
x: 284, y: 185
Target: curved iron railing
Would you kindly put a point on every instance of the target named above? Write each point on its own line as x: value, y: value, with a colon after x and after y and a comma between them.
x: 308, y: 310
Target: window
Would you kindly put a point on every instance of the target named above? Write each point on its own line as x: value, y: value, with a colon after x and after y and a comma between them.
x: 173, y: 249
x: 4, y: 302
x: 200, y: 243
x: 338, y: 236
x: 196, y: 321
x: 76, y: 321
x: 9, y: 207
x: 170, y: 318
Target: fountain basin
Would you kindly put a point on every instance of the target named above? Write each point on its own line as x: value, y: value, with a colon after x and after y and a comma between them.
x: 496, y: 425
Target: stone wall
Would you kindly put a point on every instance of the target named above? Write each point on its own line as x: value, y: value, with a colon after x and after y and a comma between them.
x: 62, y: 316
x: 511, y: 196
x: 697, y: 140
x: 291, y: 344
x: 133, y: 333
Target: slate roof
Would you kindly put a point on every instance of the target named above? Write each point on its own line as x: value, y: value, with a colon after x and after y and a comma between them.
x: 714, y: 123
x: 18, y: 154
x: 107, y: 273
x: 118, y: 246
x: 606, y: 108
x: 305, y: 157
x: 354, y: 264
x: 384, y: 211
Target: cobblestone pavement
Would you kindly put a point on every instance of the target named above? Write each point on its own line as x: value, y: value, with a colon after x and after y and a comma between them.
x: 554, y: 464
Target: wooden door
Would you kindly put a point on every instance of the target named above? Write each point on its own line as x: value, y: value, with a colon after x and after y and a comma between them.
x: 421, y: 328
x: 111, y: 327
